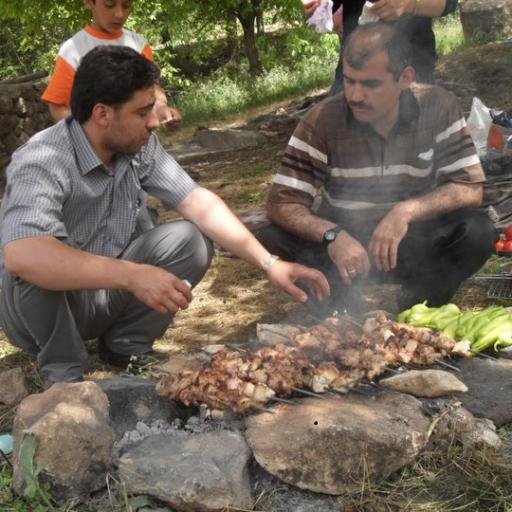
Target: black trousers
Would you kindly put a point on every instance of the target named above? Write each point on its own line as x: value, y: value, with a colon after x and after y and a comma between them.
x: 434, y: 257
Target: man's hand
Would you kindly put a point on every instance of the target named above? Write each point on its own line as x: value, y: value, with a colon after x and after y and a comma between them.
x: 159, y: 289
x: 310, y: 7
x: 391, y: 10
x: 386, y: 238
x: 168, y: 116
x: 285, y: 274
x: 349, y: 256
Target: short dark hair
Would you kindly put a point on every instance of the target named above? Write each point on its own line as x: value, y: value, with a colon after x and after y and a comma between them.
x: 111, y: 75
x: 371, y: 38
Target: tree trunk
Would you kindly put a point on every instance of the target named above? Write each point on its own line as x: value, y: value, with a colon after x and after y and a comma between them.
x: 232, y: 39
x: 260, y: 26
x: 246, y: 15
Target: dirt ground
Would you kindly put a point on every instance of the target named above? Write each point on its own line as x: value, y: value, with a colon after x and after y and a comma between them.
x: 233, y: 297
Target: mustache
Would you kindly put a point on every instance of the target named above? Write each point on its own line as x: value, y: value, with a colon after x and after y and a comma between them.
x: 359, y: 105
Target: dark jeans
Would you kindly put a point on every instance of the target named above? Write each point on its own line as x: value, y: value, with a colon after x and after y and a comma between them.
x: 433, y: 258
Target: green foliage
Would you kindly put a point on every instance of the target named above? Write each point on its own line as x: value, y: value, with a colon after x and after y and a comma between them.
x: 449, y: 35
x: 301, y: 61
x: 34, y: 490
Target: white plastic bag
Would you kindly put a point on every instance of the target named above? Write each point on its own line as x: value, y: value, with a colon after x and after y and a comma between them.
x: 321, y: 20
x: 366, y: 15
x: 479, y: 121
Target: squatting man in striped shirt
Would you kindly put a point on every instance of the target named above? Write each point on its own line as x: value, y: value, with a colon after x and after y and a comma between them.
x: 82, y: 258
x: 382, y: 182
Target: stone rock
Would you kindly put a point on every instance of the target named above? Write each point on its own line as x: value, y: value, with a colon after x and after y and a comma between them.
x: 133, y: 399
x: 191, y: 472
x: 320, y: 444
x: 73, y: 439
x: 484, y: 435
x: 489, y: 385
x: 13, y: 386
x: 486, y: 20
x: 229, y: 139
x: 451, y: 423
x: 425, y: 383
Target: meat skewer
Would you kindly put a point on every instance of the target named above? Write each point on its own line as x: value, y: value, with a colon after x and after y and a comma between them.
x: 334, y: 355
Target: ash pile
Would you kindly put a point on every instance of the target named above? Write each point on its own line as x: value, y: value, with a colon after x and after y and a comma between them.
x: 320, y: 408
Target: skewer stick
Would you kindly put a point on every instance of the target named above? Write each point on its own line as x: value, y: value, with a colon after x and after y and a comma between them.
x: 279, y: 334
x: 262, y: 409
x: 484, y: 356
x: 253, y: 405
x: 236, y: 348
x: 351, y: 320
x: 283, y: 400
x: 308, y: 393
x: 392, y: 370
x: 448, y: 365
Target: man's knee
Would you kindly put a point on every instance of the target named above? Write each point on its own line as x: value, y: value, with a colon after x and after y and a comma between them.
x: 480, y: 234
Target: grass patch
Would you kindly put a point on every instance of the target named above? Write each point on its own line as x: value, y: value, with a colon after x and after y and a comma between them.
x: 449, y: 34
x: 459, y: 480
x: 308, y: 63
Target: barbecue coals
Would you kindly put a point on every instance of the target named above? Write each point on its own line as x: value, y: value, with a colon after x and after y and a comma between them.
x: 334, y: 355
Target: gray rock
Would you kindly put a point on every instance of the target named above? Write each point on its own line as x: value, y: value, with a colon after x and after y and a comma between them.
x: 425, y: 383
x: 13, y: 386
x: 319, y: 444
x: 228, y: 139
x: 489, y: 385
x: 451, y: 423
x: 69, y: 423
x: 486, y: 20
x: 133, y: 399
x: 192, y: 472
x: 484, y: 435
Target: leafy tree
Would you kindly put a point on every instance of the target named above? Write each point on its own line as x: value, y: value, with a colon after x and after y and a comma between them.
x: 39, y: 27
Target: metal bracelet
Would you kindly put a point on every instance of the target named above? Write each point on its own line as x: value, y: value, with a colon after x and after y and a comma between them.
x: 267, y: 264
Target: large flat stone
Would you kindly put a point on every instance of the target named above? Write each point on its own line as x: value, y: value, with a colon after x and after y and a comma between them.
x: 331, y: 445
x: 489, y: 385
x: 191, y: 472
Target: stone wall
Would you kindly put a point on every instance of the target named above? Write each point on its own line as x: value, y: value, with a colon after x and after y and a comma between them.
x: 22, y: 114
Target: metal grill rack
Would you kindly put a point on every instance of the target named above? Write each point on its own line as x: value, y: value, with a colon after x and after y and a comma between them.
x: 500, y: 285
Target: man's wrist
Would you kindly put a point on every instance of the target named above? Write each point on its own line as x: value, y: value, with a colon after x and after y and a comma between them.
x: 269, y: 262
x: 331, y: 234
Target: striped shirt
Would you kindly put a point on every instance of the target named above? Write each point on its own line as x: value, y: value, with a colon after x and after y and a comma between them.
x: 346, y: 172
x: 74, y: 49
x: 57, y: 186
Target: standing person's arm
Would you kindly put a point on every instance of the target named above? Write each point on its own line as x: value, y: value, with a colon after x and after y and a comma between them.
x: 59, y: 112
x: 390, y: 10
x: 168, y: 116
x: 337, y: 19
